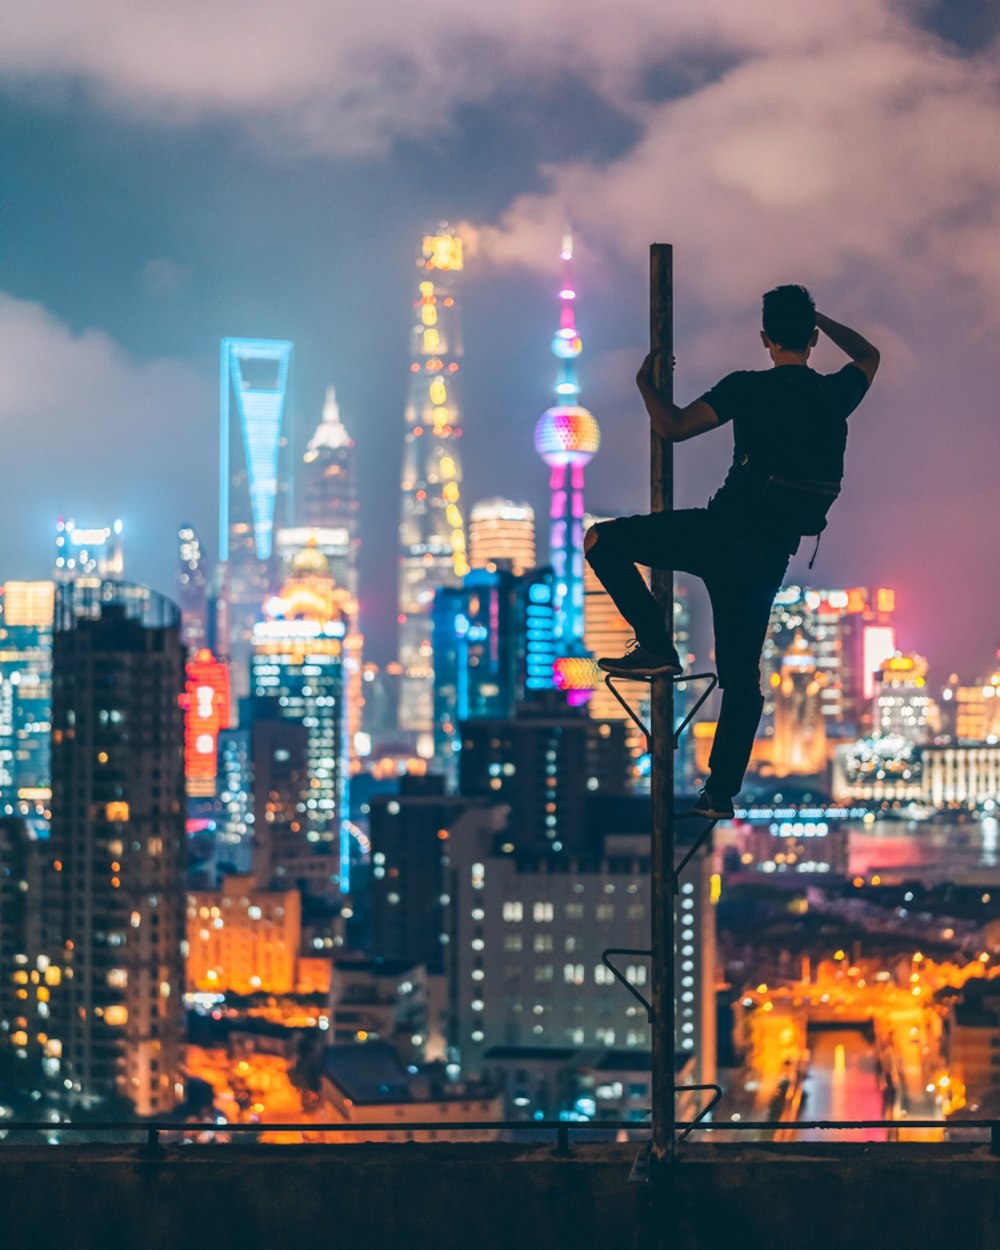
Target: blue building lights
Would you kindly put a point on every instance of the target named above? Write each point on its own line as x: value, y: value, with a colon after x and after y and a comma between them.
x: 254, y: 379
x: 494, y: 646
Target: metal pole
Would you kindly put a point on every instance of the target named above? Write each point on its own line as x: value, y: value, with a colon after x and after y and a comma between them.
x: 661, y: 338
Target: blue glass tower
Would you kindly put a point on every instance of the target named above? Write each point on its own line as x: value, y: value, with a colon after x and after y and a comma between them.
x: 255, y: 484
x: 494, y: 647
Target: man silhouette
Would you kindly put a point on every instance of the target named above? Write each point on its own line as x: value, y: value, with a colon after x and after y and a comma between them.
x: 789, y: 431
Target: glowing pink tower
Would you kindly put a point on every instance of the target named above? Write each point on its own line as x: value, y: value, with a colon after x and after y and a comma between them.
x: 566, y: 437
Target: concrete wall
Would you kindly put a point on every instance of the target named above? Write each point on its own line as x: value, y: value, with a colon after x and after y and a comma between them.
x: 494, y: 1197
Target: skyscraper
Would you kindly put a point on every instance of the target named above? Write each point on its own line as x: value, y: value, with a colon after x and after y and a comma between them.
x: 116, y: 867
x: 799, y: 746
x: 298, y: 665
x: 254, y: 485
x: 494, y: 647
x: 95, y: 552
x: 193, y: 597
x: 567, y: 437
x: 329, y: 489
x: 25, y: 692
x: 500, y: 529
x: 431, y: 529
x: 849, y: 632
x: 902, y: 703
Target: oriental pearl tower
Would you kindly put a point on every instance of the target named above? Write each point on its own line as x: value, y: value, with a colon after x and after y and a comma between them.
x: 567, y: 437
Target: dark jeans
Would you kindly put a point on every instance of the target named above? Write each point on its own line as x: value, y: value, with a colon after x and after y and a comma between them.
x: 742, y: 571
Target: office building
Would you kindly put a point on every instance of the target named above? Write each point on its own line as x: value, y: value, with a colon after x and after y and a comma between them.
x: 798, y: 747
x: 116, y: 920
x: 193, y: 596
x: 502, y: 532
x: 410, y: 836
x: 24, y: 991
x: 432, y: 529
x: 329, y: 489
x: 243, y: 938
x: 494, y: 647
x: 849, y: 632
x: 298, y: 668
x: 903, y: 705
x: 255, y: 487
x: 97, y: 551
x: 528, y: 934
x: 25, y: 694
x: 972, y: 713
x: 235, y: 815
x: 542, y: 764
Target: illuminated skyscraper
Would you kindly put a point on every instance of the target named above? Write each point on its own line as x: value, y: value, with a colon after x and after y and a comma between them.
x: 849, y: 633
x: 329, y: 491
x: 500, y: 529
x: 25, y: 693
x: 494, y: 648
x: 298, y: 665
x: 254, y: 486
x: 116, y: 867
x: 431, y: 529
x: 799, y: 747
x: 95, y: 552
x: 193, y: 597
x: 902, y: 703
x: 567, y: 437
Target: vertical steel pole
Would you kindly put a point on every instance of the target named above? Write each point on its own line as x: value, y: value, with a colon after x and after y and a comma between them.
x: 661, y: 337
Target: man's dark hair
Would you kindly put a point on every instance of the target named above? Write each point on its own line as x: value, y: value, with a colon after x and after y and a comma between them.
x: 789, y: 317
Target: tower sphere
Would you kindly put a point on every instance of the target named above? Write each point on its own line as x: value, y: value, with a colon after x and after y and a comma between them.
x: 566, y: 344
x: 567, y: 434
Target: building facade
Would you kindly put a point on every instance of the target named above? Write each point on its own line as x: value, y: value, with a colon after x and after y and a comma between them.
x: 542, y: 764
x: 529, y: 933
x: 502, y: 530
x: 494, y: 647
x: 115, y: 926
x: 432, y: 537
x: 297, y: 668
x: 26, y: 610
x: 255, y: 487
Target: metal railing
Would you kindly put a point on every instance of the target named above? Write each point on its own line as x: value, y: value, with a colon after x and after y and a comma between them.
x: 561, y: 1131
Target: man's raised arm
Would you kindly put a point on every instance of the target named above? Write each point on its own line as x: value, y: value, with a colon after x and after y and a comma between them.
x: 861, y: 352
x: 671, y: 422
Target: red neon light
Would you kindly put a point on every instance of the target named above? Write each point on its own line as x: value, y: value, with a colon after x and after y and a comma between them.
x: 206, y: 711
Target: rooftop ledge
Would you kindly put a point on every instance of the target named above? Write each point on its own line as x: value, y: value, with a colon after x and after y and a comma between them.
x: 497, y: 1196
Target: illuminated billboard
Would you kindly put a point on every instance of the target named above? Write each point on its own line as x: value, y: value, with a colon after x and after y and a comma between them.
x: 879, y: 645
x: 206, y: 711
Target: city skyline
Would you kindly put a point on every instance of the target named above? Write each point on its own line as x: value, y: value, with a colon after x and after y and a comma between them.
x: 112, y: 328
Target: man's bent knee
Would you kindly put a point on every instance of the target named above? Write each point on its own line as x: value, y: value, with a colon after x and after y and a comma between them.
x: 590, y: 537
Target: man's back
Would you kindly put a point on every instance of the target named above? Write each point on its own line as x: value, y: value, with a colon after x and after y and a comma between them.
x: 788, y: 420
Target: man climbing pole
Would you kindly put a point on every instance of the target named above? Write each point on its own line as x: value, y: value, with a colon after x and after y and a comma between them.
x: 789, y: 433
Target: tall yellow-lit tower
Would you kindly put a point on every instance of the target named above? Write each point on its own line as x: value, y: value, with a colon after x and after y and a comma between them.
x: 431, y: 529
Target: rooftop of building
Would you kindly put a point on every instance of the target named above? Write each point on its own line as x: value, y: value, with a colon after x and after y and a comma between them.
x: 374, y: 1074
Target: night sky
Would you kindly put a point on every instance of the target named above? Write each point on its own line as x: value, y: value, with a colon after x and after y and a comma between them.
x: 175, y: 172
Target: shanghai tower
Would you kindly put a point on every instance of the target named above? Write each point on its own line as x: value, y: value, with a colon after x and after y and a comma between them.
x: 431, y: 528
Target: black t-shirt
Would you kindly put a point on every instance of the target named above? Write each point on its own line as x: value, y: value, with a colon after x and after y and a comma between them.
x: 788, y: 420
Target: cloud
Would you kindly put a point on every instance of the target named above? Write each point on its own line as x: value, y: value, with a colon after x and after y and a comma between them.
x: 350, y: 78
x: 71, y: 399
x: 856, y: 163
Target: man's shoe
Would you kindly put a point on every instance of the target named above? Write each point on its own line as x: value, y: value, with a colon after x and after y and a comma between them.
x: 713, y: 806
x: 639, y: 661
